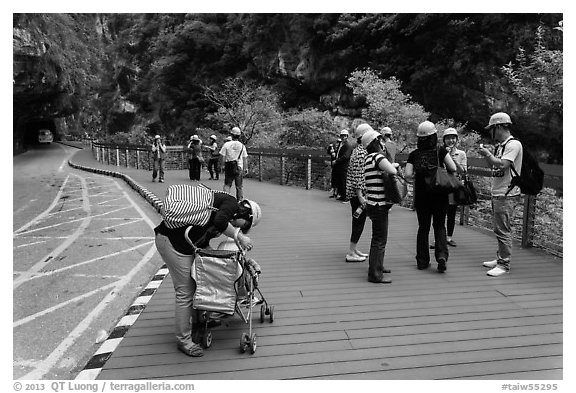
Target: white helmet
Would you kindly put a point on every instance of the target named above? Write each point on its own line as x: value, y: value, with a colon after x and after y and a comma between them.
x: 195, y: 137
x: 213, y: 137
x: 368, y: 137
x: 426, y: 128
x: 228, y: 138
x: 157, y: 137
x: 450, y: 131
x: 498, y: 118
x: 256, y: 211
x: 386, y: 131
x: 235, y: 131
x: 344, y: 132
x: 362, y: 129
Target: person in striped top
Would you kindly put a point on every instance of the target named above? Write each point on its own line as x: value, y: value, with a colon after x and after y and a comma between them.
x: 208, y: 213
x: 377, y: 207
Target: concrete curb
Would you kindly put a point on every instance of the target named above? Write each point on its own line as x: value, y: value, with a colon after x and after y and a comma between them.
x: 94, y: 366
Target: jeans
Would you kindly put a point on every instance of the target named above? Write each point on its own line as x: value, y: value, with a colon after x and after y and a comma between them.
x: 431, y: 209
x: 237, y: 179
x: 379, y: 217
x: 194, y: 167
x: 502, y: 214
x: 179, y: 266
x: 214, y: 168
x: 357, y: 223
x: 158, y: 169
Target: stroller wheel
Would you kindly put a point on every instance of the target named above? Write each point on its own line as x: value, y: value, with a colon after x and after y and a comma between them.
x: 271, y: 314
x: 244, y: 340
x: 253, y: 344
x: 207, y: 339
x: 262, y: 313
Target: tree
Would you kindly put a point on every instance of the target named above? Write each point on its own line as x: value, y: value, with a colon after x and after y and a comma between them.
x: 387, y: 105
x: 251, y: 107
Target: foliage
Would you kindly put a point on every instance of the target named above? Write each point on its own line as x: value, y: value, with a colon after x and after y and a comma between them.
x: 307, y: 128
x: 251, y: 107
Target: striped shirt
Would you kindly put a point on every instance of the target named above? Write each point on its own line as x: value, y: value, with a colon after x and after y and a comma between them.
x: 187, y: 205
x: 355, y: 174
x: 375, y: 193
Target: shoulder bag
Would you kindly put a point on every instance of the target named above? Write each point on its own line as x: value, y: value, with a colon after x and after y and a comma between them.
x: 441, y: 181
x: 466, y: 195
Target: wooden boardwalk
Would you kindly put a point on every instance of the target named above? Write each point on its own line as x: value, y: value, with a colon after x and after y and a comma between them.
x: 330, y: 323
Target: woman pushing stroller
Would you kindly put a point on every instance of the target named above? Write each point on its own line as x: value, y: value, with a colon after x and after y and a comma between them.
x: 208, y: 213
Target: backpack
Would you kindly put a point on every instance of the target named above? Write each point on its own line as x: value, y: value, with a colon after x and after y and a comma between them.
x: 187, y: 205
x: 530, y: 180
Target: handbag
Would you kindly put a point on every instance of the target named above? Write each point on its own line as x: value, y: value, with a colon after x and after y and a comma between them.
x: 395, y: 187
x: 441, y: 181
x: 466, y: 195
x: 231, y: 167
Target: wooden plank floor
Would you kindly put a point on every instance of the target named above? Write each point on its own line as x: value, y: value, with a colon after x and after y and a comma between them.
x: 330, y: 323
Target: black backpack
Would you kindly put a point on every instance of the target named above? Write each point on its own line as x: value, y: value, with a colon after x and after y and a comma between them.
x: 531, y: 178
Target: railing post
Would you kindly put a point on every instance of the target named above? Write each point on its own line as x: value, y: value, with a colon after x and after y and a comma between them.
x: 282, y: 168
x: 309, y: 172
x: 127, y: 157
x: 108, y: 155
x: 137, y: 158
x: 117, y: 157
x: 528, y: 220
x: 259, y: 166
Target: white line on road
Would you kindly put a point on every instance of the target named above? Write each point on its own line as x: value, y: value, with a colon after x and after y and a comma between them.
x: 31, y: 244
x: 132, y: 221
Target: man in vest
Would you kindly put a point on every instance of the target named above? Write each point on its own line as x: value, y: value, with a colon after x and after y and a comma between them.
x: 158, y: 154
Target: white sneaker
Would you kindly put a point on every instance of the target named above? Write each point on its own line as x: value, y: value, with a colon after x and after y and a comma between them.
x: 354, y: 258
x: 497, y: 271
x: 360, y: 253
x: 491, y: 263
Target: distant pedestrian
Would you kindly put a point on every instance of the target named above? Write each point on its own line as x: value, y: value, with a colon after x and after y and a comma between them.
x: 214, y: 159
x: 450, y: 139
x: 430, y: 207
x: 195, y: 158
x: 508, y: 153
x: 158, y: 155
x: 235, y: 159
x: 377, y: 208
x: 391, y: 147
x: 343, y: 152
x: 356, y: 194
x: 331, y: 151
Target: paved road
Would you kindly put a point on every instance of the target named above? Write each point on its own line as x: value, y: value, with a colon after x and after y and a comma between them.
x: 82, y: 250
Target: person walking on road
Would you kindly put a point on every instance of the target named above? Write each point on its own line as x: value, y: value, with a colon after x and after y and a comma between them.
x: 377, y: 208
x: 508, y: 153
x: 217, y: 213
x: 158, y: 155
x: 214, y: 159
x: 430, y: 207
x: 235, y: 159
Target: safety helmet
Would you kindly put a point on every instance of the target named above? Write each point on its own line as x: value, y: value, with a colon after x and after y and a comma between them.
x: 498, y: 118
x: 368, y: 137
x: 450, y: 131
x: 157, y: 137
x: 344, y: 132
x: 228, y: 138
x: 362, y: 129
x: 256, y: 214
x: 213, y: 137
x: 386, y: 131
x: 426, y: 128
x: 195, y: 137
x: 235, y: 131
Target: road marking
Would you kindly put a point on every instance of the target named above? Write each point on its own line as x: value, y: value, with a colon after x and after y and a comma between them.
x: 132, y: 221
x: 65, y: 211
x: 31, y: 244
x: 45, y: 365
x: 111, y: 200
x: 45, y: 212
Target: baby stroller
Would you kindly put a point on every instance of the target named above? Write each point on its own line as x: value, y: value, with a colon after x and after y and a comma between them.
x: 226, y: 283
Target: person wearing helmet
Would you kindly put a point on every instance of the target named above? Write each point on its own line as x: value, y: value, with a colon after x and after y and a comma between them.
x: 430, y: 207
x: 214, y: 160
x: 158, y: 155
x: 209, y: 214
x: 508, y: 152
x: 343, y: 152
x: 195, y: 158
x: 356, y: 194
x: 377, y: 207
x: 391, y: 147
x: 450, y: 139
x: 235, y: 158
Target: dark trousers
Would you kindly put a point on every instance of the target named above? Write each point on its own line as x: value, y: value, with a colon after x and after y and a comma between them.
x: 194, y: 166
x: 379, y: 217
x: 431, y: 209
x: 451, y: 219
x: 357, y: 223
x: 214, y: 168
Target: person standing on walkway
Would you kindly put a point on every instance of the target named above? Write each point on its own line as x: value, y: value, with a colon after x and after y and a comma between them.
x: 158, y: 155
x: 391, y: 147
x: 214, y: 160
x: 331, y: 151
x: 195, y: 158
x: 343, y: 152
x: 430, y: 207
x: 356, y: 194
x: 218, y: 213
x: 235, y: 159
x: 508, y: 153
x: 375, y: 166
x: 450, y: 139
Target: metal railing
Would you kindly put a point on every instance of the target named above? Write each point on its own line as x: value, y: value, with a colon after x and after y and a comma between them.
x: 538, y: 223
